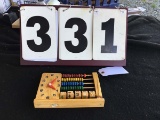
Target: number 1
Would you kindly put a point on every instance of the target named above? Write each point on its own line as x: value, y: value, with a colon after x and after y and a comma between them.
x: 109, y: 37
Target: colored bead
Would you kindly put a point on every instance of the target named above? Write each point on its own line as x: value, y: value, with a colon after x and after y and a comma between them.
x: 82, y: 83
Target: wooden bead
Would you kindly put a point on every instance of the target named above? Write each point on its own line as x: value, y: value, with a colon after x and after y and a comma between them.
x: 70, y: 94
x: 62, y: 95
x: 92, y: 94
x: 78, y: 95
x: 84, y: 94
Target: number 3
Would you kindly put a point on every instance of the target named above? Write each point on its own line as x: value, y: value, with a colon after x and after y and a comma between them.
x: 82, y: 27
x: 44, y: 27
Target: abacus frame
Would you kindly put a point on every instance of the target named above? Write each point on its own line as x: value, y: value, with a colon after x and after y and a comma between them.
x: 56, y: 102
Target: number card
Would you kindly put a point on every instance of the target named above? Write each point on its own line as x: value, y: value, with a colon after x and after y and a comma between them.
x: 75, y: 33
x: 39, y: 33
x: 109, y: 34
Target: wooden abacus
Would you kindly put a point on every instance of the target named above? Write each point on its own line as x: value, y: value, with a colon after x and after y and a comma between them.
x: 58, y: 90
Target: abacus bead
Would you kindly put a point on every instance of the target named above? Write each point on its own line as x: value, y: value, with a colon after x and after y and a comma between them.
x: 84, y: 94
x: 81, y: 87
x: 64, y: 75
x: 76, y: 87
x: 77, y: 94
x: 70, y: 94
x: 82, y: 83
x: 67, y: 88
x: 92, y: 94
x: 62, y: 95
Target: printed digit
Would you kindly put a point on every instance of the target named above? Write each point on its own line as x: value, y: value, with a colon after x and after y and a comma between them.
x: 44, y: 27
x: 109, y: 35
x: 82, y: 27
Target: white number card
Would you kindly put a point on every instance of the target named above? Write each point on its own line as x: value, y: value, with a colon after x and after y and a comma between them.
x: 75, y: 33
x: 109, y: 34
x: 39, y: 33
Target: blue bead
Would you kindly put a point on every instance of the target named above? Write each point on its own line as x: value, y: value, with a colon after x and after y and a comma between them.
x: 82, y: 84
